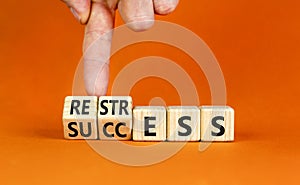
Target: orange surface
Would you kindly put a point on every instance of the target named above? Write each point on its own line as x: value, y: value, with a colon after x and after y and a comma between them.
x: 257, y: 46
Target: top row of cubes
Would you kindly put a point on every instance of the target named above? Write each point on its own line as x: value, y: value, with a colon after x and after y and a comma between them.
x: 112, y: 118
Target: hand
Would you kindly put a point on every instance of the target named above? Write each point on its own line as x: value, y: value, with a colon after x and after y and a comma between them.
x: 98, y: 15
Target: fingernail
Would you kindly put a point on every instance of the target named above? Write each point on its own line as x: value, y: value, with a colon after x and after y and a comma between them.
x: 76, y: 15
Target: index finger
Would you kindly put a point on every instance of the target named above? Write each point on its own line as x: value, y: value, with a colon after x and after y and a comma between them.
x: 96, y: 48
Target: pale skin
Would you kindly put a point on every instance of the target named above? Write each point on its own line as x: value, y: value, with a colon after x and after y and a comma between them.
x: 98, y: 17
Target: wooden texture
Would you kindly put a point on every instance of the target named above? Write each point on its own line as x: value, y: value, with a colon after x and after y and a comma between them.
x: 183, y: 123
x: 217, y: 123
x: 149, y: 123
x: 80, y: 117
x: 115, y: 117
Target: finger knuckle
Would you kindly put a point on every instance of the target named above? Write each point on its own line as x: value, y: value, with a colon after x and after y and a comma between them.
x: 165, y: 8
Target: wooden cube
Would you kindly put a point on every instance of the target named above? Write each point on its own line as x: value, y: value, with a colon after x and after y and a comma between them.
x: 149, y: 123
x: 80, y: 117
x: 183, y: 123
x: 217, y: 123
x: 115, y: 117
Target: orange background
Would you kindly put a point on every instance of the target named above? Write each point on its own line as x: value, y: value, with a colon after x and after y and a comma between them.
x: 256, y: 43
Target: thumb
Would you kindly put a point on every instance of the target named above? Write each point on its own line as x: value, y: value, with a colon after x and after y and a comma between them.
x: 80, y: 9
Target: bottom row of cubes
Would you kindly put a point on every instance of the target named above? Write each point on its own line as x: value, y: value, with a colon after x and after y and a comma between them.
x: 114, y: 118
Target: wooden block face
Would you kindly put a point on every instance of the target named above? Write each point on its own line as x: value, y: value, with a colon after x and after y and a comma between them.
x: 217, y: 123
x: 115, y: 117
x: 80, y: 117
x: 183, y: 123
x: 149, y: 123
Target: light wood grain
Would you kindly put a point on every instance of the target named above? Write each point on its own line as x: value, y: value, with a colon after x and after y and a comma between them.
x: 214, y: 120
x: 115, y: 117
x: 156, y: 123
x: 80, y: 120
x: 183, y: 123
